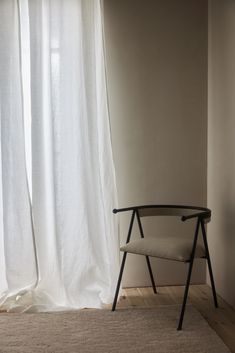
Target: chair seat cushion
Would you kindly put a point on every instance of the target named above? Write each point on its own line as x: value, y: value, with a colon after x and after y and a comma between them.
x: 171, y: 248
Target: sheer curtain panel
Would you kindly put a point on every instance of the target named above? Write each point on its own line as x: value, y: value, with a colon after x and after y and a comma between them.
x: 71, y: 176
x: 17, y: 253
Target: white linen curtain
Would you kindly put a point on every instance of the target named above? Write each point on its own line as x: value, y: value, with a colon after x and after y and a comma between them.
x: 72, y: 180
x: 17, y: 255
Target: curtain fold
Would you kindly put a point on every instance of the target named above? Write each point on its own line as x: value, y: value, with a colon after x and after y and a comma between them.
x: 72, y: 180
x: 17, y: 253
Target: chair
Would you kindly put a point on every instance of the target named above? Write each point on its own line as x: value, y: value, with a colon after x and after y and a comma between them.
x: 177, y: 249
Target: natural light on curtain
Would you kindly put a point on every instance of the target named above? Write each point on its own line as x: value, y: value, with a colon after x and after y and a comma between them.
x: 58, y: 239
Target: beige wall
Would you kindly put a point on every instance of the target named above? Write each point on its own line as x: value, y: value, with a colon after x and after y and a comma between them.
x: 221, y: 144
x: 157, y: 79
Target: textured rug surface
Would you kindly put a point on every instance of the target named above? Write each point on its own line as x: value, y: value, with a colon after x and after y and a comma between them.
x: 142, y: 330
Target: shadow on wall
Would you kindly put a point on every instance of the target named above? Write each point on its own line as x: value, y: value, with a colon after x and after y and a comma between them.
x: 221, y: 144
x: 227, y: 248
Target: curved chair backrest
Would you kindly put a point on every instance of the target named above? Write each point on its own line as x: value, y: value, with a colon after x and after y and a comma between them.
x: 185, y: 212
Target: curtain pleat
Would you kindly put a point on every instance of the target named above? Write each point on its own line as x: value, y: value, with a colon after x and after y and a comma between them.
x: 17, y: 253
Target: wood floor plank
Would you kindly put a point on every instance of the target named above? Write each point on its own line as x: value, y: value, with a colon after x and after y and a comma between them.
x: 136, y: 299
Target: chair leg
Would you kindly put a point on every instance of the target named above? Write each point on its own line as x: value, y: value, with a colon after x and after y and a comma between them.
x: 119, y: 281
x: 151, y: 275
x: 185, y: 295
x: 189, y: 276
x: 209, y: 265
x: 212, y: 282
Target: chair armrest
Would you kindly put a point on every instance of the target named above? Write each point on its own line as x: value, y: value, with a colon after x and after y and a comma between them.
x: 204, y: 214
x: 117, y: 210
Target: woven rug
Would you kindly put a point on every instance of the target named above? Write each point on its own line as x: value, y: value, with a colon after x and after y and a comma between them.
x: 142, y: 330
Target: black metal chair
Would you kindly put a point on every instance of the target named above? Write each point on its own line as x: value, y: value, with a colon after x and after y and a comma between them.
x: 177, y: 249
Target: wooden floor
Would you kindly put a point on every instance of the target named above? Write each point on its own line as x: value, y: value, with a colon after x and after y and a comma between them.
x: 222, y: 320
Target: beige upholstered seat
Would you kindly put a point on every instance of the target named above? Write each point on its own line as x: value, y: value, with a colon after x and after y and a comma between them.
x: 172, y: 248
